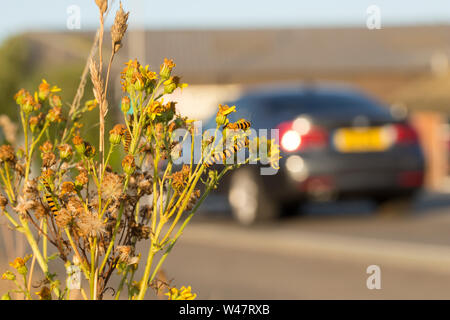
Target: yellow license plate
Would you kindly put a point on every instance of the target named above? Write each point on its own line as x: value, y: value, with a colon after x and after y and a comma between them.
x: 364, y: 139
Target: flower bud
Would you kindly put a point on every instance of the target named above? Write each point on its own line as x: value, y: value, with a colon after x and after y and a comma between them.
x: 8, y: 275
x: 55, y: 101
x: 20, y: 96
x: 125, y: 105
x: 115, y: 135
x: 170, y: 87
x: 65, y: 151
x: 166, y: 69
x: 139, y: 84
x: 128, y: 164
x: 44, y: 90
x: 221, y: 119
x: 6, y: 296
x: 28, y: 104
x: 78, y: 142
x: 19, y: 265
x: 33, y: 122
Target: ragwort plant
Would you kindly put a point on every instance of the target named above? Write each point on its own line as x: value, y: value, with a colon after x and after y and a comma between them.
x: 91, y: 215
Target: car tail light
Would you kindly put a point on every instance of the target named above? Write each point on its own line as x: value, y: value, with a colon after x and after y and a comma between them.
x: 291, y: 140
x: 410, y: 178
x: 405, y: 134
x: 301, y: 135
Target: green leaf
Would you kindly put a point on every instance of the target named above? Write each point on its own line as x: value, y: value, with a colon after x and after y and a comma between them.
x: 53, y: 256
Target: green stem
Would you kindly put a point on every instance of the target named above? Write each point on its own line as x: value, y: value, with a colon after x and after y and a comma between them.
x: 180, y: 231
x: 122, y: 282
x: 9, y: 180
x: 33, y: 145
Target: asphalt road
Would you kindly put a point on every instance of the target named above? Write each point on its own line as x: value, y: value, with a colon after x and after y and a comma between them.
x: 322, y: 254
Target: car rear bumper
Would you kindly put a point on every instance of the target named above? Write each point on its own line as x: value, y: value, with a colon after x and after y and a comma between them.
x: 396, y: 172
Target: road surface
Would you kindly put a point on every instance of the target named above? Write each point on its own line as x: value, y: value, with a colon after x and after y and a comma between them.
x: 321, y: 255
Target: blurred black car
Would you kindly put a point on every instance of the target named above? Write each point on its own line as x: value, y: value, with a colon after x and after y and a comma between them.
x: 334, y: 141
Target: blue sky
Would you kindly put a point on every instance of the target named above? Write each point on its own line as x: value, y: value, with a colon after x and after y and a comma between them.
x: 25, y: 15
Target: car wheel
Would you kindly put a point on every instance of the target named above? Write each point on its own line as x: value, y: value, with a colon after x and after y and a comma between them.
x: 250, y: 202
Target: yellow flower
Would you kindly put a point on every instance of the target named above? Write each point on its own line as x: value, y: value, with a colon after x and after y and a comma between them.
x: 67, y: 187
x: 224, y: 111
x: 182, y: 294
x: 91, y: 104
x: 8, y: 275
x: 44, y: 293
x: 45, y: 89
x: 19, y: 264
x: 172, y: 83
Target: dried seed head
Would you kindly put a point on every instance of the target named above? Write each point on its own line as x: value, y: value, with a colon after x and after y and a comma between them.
x: 23, y: 205
x: 75, y: 206
x: 90, y: 224
x: 102, y: 5
x: 40, y: 211
x: 145, y: 185
x: 7, y: 153
x: 111, y: 186
x: 46, y: 147
x: 20, y: 169
x: 64, y: 218
x: 81, y: 179
x: 124, y: 253
x: 119, y: 28
x: 3, y: 202
x: 67, y: 187
x: 30, y: 190
x: 178, y: 181
x: 97, y: 81
x: 48, y: 159
x: 193, y: 199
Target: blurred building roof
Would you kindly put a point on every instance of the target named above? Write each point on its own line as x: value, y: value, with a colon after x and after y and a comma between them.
x: 397, y: 64
x: 254, y: 55
x: 235, y: 56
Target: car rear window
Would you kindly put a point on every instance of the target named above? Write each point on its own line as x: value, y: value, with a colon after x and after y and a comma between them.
x: 321, y: 105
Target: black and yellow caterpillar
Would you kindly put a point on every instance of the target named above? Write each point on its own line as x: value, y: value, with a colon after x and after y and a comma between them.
x: 228, y: 152
x: 126, y: 141
x: 240, y: 124
x: 49, y: 198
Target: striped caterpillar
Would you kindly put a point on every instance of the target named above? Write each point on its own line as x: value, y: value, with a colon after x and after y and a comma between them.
x: 126, y: 141
x: 49, y: 198
x: 240, y: 124
x: 228, y: 152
